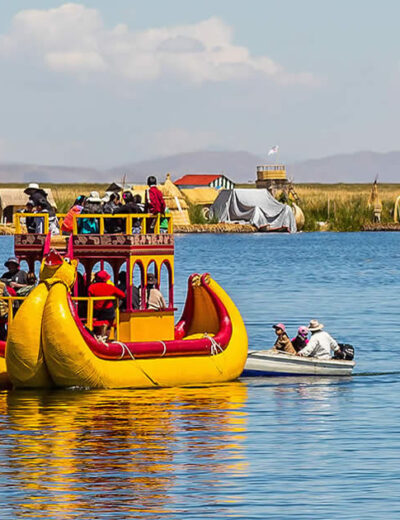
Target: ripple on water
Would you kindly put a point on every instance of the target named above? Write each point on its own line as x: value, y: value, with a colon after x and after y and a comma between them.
x: 287, y: 448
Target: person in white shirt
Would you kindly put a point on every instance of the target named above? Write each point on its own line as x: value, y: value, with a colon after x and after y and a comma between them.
x: 321, y: 343
x: 155, y: 300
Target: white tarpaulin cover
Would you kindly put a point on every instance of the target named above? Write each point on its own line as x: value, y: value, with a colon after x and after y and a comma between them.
x: 257, y: 207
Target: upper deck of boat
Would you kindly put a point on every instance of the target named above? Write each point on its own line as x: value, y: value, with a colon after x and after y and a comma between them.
x: 144, y: 239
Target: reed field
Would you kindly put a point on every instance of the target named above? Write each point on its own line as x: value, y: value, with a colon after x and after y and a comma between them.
x: 334, y: 207
x: 344, y: 207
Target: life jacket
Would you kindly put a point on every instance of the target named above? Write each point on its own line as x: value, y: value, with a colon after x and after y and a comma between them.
x: 67, y: 225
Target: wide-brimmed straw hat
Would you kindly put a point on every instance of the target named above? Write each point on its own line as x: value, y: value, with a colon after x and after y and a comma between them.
x: 94, y: 197
x: 314, y: 325
x: 279, y: 326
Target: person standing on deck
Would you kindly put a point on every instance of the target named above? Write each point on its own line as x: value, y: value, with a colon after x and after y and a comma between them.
x: 321, y: 343
x: 154, y: 202
x: 282, y: 342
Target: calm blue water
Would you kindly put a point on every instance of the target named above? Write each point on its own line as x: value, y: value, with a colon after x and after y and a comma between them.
x: 253, y: 449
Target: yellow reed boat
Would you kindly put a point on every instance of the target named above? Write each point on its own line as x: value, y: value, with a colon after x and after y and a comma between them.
x: 51, y: 341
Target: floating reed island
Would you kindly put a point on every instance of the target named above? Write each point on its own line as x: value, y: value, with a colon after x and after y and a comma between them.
x: 326, y: 207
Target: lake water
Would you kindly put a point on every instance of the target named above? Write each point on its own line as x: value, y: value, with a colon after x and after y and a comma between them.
x: 298, y: 448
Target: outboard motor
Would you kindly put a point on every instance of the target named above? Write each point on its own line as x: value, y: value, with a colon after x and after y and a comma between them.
x: 346, y: 352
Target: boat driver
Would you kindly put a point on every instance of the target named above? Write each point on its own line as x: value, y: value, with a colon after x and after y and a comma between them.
x: 321, y: 343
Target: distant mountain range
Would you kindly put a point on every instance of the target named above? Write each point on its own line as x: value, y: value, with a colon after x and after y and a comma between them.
x: 359, y: 167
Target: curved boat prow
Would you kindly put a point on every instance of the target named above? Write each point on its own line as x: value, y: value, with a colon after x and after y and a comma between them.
x: 24, y: 355
x: 25, y: 362
x: 209, y: 351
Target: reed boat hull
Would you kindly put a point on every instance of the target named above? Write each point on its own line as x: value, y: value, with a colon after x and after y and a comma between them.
x: 72, y: 361
x: 24, y: 355
x: 264, y: 363
x: 4, y: 379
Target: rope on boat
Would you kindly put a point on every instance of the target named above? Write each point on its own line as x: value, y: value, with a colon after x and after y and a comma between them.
x: 165, y: 348
x: 215, y: 347
x: 124, y: 350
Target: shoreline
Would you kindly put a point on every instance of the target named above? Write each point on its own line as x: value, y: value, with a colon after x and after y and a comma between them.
x: 230, y: 228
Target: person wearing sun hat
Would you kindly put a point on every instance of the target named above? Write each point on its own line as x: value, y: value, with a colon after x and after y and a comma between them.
x: 321, y: 343
x: 282, y: 342
x: 14, y: 277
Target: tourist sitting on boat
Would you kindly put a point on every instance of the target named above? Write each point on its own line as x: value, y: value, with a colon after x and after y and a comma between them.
x: 15, y: 277
x: 321, y: 343
x: 104, y: 310
x: 154, y: 201
x: 112, y: 225
x: 155, y: 299
x: 282, y: 342
x: 76, y: 209
x: 121, y: 284
x: 164, y: 221
x: 92, y: 205
x: 301, y: 340
x: 31, y: 281
x: 42, y: 207
x: 132, y: 205
x: 29, y: 221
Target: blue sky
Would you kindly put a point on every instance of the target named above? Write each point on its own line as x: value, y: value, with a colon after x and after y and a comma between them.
x: 102, y: 83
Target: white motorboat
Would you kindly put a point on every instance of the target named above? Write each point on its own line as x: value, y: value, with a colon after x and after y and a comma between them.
x: 275, y: 363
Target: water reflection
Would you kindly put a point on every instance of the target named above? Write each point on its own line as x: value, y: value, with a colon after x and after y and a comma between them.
x: 71, y: 453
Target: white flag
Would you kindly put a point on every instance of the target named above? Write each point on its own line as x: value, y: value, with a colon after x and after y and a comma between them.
x: 273, y: 150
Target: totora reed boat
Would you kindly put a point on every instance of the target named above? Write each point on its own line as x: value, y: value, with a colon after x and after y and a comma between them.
x: 50, y: 338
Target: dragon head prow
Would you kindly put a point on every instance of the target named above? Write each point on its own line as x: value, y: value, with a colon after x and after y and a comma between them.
x: 56, y: 268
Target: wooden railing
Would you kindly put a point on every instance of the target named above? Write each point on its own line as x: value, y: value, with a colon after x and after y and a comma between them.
x: 146, y: 220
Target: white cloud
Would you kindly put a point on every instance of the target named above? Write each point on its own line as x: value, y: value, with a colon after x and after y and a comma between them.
x: 73, y: 39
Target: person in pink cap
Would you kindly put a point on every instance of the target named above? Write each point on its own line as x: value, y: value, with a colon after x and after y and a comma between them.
x: 282, y: 342
x: 301, y: 340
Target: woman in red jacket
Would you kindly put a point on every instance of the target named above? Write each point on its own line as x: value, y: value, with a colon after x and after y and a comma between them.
x: 104, y: 310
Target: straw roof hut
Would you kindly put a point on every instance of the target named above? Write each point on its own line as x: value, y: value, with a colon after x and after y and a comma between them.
x: 14, y: 199
x: 201, y: 196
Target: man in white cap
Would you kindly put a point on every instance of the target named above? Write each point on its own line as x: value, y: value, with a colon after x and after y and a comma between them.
x: 321, y: 343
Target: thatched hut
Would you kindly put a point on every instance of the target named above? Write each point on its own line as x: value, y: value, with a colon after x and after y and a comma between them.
x: 13, y: 200
x: 204, y: 197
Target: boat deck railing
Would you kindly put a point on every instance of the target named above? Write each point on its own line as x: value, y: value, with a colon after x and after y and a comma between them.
x: 87, y: 316
x: 90, y: 320
x: 147, y: 222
